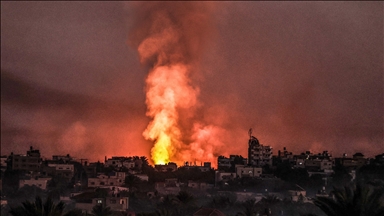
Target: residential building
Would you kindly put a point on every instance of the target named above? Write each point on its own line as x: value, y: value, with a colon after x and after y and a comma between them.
x: 225, y: 164
x: 3, y: 163
x: 113, y: 179
x: 119, y: 204
x: 62, y: 170
x: 203, y: 168
x: 63, y: 158
x: 199, y: 185
x: 248, y: 171
x: 258, y: 154
x: 29, y: 162
x: 166, y: 167
x: 38, y: 182
x: 169, y: 186
x: 119, y: 161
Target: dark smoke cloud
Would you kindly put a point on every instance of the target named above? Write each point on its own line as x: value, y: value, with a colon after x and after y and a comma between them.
x: 178, y: 30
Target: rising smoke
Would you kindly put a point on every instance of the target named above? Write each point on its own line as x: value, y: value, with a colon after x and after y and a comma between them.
x: 169, y: 38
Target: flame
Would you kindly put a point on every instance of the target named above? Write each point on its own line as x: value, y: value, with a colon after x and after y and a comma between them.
x: 168, y: 89
x: 169, y: 38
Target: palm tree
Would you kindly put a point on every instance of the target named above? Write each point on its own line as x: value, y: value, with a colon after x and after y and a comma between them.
x: 38, y: 208
x: 249, y: 208
x: 185, y: 198
x: 132, y: 182
x: 357, y: 200
x: 101, y: 210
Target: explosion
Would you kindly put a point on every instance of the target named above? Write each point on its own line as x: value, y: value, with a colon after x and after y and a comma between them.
x: 169, y: 37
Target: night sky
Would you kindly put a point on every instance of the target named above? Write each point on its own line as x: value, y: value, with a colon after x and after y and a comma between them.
x: 302, y: 75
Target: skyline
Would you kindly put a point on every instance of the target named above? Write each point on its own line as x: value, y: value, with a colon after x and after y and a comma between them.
x: 303, y: 75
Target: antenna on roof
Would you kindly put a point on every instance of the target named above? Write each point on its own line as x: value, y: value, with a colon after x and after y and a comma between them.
x: 250, y: 133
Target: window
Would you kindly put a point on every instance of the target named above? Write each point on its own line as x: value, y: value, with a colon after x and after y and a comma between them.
x: 121, y: 201
x: 99, y: 201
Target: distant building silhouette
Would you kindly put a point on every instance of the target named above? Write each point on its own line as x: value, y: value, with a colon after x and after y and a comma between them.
x: 258, y: 154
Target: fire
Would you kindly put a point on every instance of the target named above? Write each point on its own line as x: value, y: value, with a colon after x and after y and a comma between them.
x: 168, y: 89
x: 169, y: 37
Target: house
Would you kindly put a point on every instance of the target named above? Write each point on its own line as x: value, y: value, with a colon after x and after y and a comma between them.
x: 247, y: 171
x: 169, y: 186
x: 203, y: 168
x: 113, y: 179
x: 166, y: 167
x: 63, y: 170
x: 224, y: 176
x: 38, y: 182
x: 120, y: 204
x: 199, y: 185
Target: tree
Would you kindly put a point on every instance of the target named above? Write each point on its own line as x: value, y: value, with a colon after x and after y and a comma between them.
x: 101, y: 210
x: 38, y: 208
x: 249, y: 207
x: 74, y: 212
x: 185, y: 198
x: 356, y: 200
x: 132, y: 182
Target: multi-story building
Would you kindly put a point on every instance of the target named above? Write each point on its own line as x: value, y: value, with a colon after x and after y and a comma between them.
x: 3, y: 163
x: 258, y: 154
x: 63, y: 170
x: 29, y: 162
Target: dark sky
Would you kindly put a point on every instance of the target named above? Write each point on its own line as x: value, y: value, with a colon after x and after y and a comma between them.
x: 305, y: 75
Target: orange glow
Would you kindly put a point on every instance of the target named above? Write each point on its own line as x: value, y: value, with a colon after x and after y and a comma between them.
x: 167, y: 89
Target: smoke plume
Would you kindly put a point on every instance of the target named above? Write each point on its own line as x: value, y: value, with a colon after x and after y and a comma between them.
x: 169, y: 38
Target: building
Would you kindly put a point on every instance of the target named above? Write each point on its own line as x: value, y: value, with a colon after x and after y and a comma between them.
x: 3, y: 163
x: 353, y: 163
x: 114, y: 179
x: 119, y: 204
x: 118, y: 162
x: 258, y: 154
x: 203, y: 168
x: 199, y: 185
x: 29, y: 162
x: 166, y: 167
x: 225, y: 164
x: 169, y: 186
x: 61, y: 170
x: 248, y: 171
x: 63, y: 158
x: 38, y: 182
x: 224, y: 176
